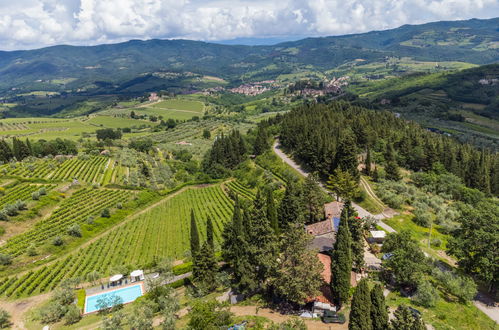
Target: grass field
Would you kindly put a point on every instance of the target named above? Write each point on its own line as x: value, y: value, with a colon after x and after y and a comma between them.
x: 73, y: 129
x: 178, y: 109
x: 447, y: 314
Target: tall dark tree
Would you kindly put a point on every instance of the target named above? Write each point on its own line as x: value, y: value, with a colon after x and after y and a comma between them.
x: 341, y: 262
x: 312, y: 197
x: 367, y: 163
x: 205, y: 265
x: 19, y: 149
x: 195, y: 244
x: 379, y: 311
x: 346, y: 156
x: 404, y: 319
x: 291, y: 207
x: 262, y: 141
x: 235, y: 251
x: 209, y: 233
x: 356, y: 228
x: 262, y: 242
x: 5, y: 151
x: 360, y: 313
x: 272, y: 211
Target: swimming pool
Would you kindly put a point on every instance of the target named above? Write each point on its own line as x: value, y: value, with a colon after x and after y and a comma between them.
x: 127, y: 294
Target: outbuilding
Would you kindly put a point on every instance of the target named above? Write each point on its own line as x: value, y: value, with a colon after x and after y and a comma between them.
x: 137, y: 275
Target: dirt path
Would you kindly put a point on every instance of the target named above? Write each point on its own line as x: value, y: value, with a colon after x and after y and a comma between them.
x: 17, y: 308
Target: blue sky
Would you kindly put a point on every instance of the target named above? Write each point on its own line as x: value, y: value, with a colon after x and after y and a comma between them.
x: 26, y: 24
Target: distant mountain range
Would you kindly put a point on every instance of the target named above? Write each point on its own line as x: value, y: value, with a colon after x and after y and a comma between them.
x: 69, y: 68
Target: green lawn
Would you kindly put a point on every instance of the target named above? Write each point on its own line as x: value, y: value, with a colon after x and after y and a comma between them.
x: 180, y: 104
x: 447, y: 314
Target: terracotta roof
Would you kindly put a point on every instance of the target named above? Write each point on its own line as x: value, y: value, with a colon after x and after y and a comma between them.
x: 333, y: 210
x: 322, y: 244
x: 326, y: 262
x: 320, y: 228
x: 326, y: 294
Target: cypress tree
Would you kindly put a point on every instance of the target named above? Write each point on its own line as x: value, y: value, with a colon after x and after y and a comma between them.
x: 357, y: 233
x: 360, y: 313
x: 379, y: 312
x: 205, y: 264
x: 235, y: 251
x: 261, y: 142
x: 346, y: 157
x: 272, y: 212
x: 209, y: 233
x: 29, y: 148
x: 392, y: 171
x: 262, y: 241
x: 194, y: 236
x: 404, y: 319
x: 291, y: 207
x: 314, y: 203
x: 341, y: 262
x: 5, y: 151
x: 367, y: 165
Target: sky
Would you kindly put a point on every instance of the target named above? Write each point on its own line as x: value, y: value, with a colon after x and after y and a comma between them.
x: 28, y: 24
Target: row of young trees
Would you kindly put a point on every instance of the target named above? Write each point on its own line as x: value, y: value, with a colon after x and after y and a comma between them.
x: 327, y: 137
x: 19, y: 150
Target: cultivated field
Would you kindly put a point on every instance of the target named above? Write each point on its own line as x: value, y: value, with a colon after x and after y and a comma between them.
x: 161, y: 231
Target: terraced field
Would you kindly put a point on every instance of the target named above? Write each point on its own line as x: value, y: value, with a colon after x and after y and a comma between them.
x: 162, y: 231
x: 74, y: 210
x: 22, y: 191
x: 91, y: 170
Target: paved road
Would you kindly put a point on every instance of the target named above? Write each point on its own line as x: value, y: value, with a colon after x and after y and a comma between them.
x: 361, y: 211
x: 479, y: 302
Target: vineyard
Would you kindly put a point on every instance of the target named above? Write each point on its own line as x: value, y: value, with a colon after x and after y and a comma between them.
x: 91, y: 170
x: 240, y: 190
x: 162, y: 231
x: 74, y: 210
x: 22, y: 191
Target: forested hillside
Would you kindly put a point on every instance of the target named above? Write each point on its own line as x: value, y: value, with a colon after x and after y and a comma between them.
x: 330, y: 136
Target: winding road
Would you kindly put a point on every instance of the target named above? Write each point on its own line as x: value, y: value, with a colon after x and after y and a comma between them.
x: 360, y: 210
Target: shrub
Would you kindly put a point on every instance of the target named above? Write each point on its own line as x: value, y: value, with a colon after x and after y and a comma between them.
x: 105, y: 213
x: 436, y: 242
x: 119, y: 206
x: 426, y: 295
x: 35, y: 196
x: 90, y: 220
x: 461, y: 286
x: 4, y: 319
x: 422, y: 218
x: 5, y: 259
x: 57, y: 241
x: 31, y: 250
x: 72, y: 315
x: 74, y: 230
x: 52, y: 313
x: 3, y: 215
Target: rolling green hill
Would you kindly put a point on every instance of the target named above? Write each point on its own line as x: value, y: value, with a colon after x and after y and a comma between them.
x: 463, y: 103
x: 120, y: 67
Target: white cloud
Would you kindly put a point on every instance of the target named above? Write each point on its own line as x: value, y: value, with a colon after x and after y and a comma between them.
x: 36, y: 23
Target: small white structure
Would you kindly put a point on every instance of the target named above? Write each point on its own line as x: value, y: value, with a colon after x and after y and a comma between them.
x: 378, y: 236
x: 137, y: 275
x: 115, y: 279
x: 320, y: 307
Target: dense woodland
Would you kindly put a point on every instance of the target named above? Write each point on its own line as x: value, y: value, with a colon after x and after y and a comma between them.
x: 328, y: 136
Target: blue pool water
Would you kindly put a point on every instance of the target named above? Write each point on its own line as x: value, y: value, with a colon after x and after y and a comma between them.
x: 127, y: 295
